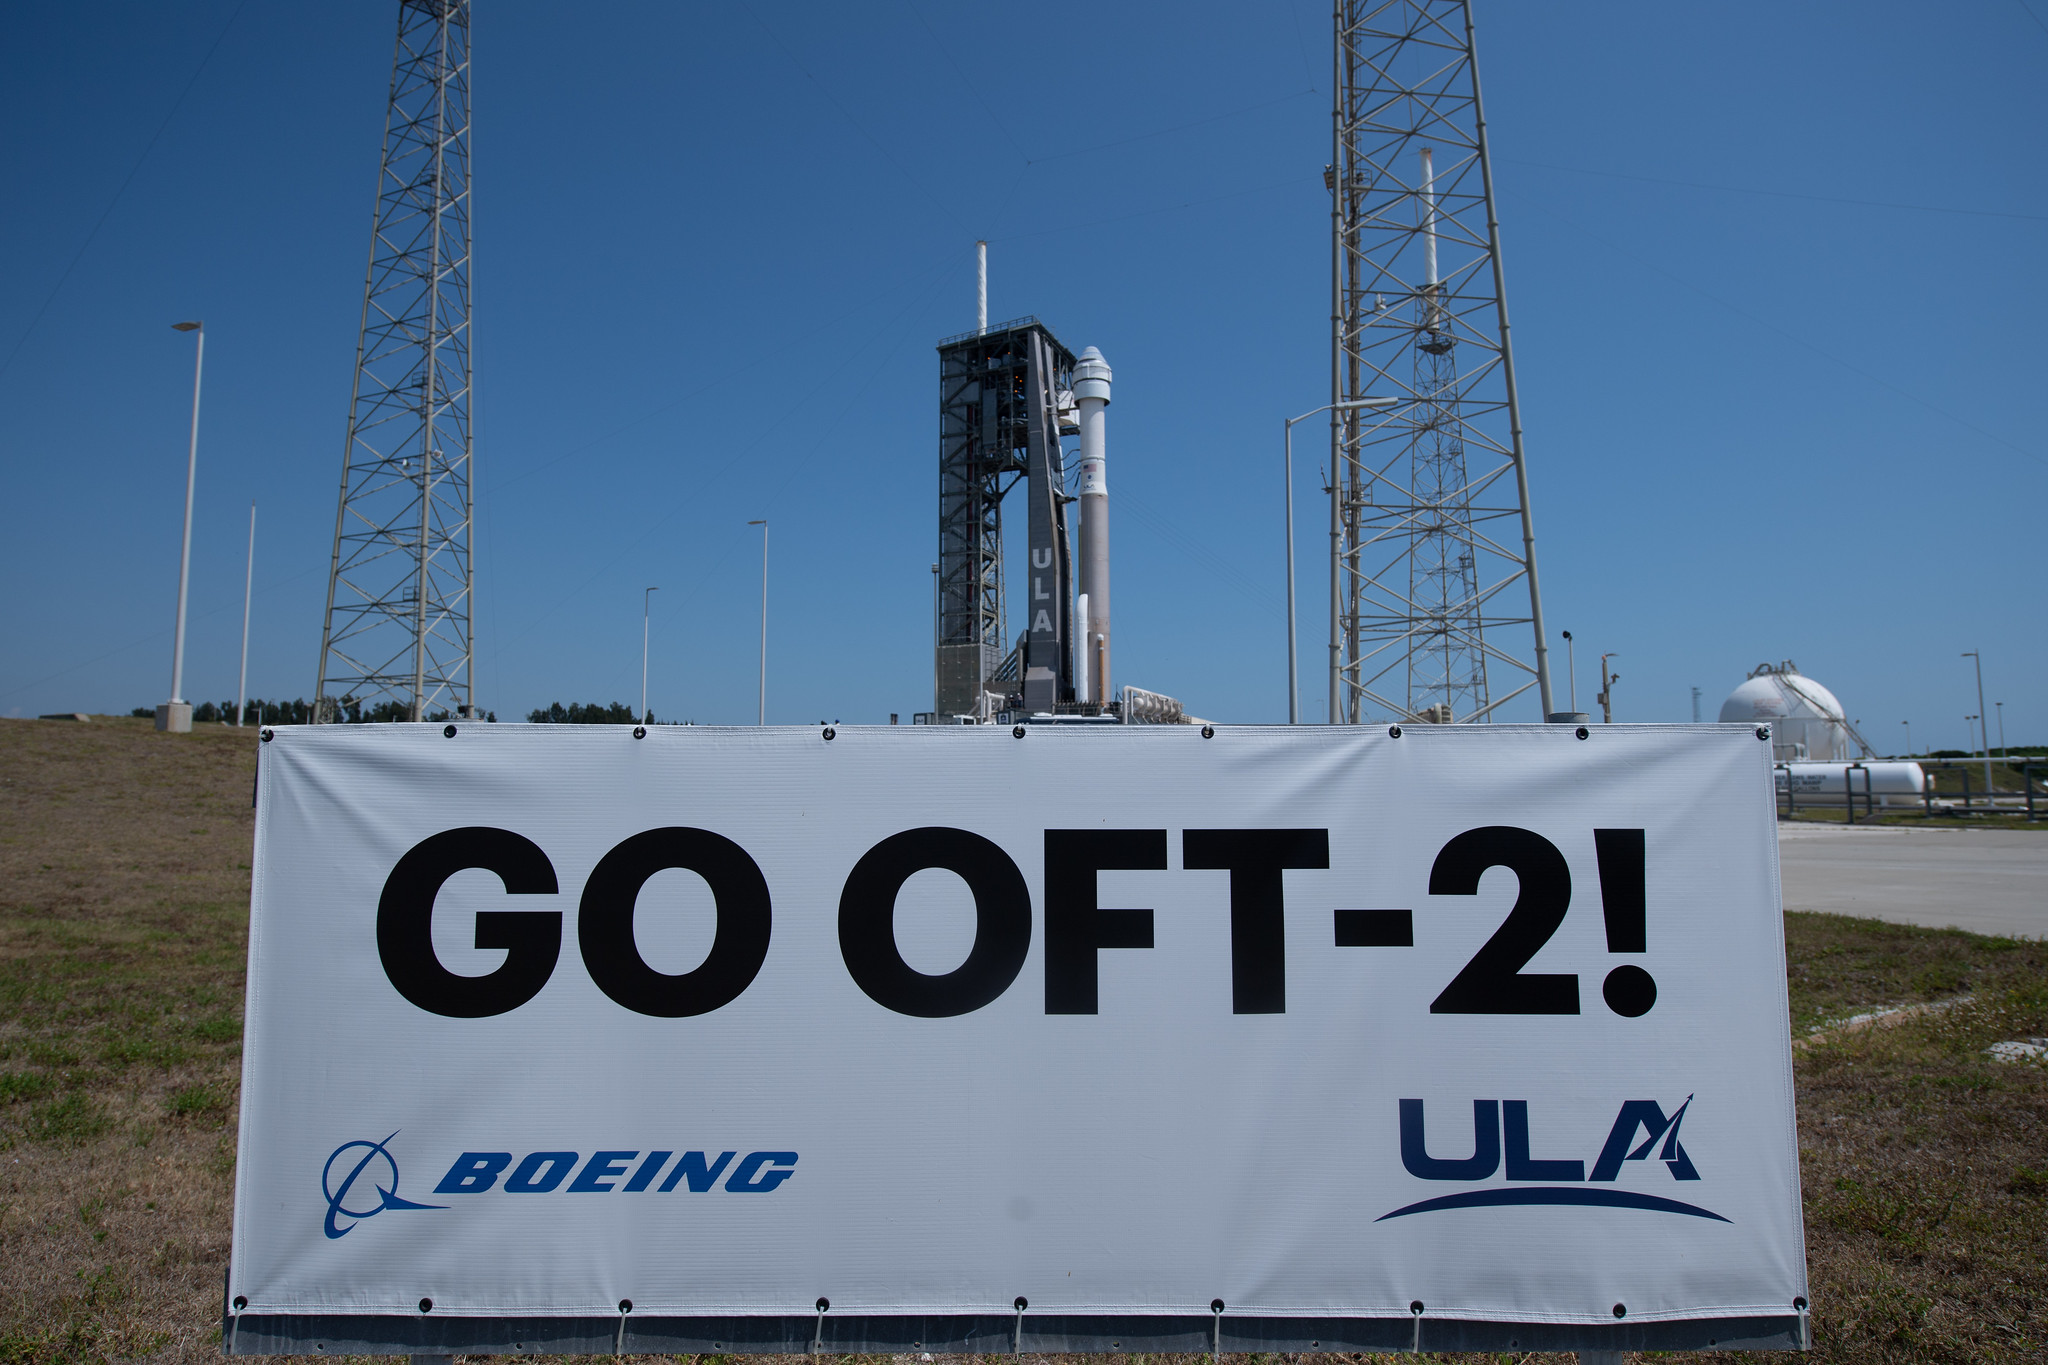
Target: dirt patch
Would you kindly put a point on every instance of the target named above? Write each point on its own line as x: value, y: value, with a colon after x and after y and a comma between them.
x: 124, y: 889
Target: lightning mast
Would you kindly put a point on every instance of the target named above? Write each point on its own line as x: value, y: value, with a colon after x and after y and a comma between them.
x: 399, y: 590
x: 1432, y: 545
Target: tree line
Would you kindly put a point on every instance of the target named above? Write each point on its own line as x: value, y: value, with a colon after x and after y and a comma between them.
x: 300, y: 712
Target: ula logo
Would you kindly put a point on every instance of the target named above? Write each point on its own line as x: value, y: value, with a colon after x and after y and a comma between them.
x: 353, y: 1166
x: 1491, y: 1117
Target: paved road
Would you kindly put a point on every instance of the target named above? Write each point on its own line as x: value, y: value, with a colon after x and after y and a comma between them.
x: 1992, y: 881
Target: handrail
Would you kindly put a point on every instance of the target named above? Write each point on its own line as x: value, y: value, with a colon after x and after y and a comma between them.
x: 1012, y: 325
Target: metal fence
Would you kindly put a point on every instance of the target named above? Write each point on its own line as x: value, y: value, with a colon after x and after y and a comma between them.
x: 1987, y: 801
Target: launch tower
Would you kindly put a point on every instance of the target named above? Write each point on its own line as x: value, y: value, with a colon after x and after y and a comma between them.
x: 1432, y: 545
x: 1005, y: 399
x: 399, y: 588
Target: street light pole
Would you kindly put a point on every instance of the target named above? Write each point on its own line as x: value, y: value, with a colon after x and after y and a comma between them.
x: 1909, y: 737
x: 1983, y: 716
x: 762, y: 717
x: 1571, y: 668
x: 1287, y: 471
x: 646, y: 607
x: 1607, y: 689
x: 935, y: 642
x: 175, y: 715
x: 248, y: 590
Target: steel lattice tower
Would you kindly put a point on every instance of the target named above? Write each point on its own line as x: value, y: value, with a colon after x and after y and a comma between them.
x: 397, y: 634
x: 1001, y: 391
x: 1431, y: 539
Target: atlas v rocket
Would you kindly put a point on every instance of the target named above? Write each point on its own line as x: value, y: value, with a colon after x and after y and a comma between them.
x: 1091, y: 395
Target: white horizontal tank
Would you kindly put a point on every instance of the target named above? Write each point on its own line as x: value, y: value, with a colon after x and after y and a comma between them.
x: 1827, y: 779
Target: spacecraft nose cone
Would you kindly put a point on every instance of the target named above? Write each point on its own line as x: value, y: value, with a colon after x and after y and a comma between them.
x: 1091, y: 375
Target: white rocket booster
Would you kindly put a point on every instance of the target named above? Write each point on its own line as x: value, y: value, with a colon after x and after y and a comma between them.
x: 1091, y: 394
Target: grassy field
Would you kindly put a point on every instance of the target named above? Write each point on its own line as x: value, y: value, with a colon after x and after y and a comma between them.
x: 1914, y: 818
x: 123, y: 905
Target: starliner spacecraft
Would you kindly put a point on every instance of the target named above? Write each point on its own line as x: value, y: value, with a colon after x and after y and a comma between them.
x: 1008, y: 394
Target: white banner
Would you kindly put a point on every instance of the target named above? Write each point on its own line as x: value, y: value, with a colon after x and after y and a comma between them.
x: 1483, y: 1024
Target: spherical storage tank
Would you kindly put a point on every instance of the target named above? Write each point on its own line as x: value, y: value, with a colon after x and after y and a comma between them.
x: 1805, y: 719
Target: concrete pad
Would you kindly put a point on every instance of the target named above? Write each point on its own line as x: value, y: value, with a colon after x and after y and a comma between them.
x: 1989, y: 881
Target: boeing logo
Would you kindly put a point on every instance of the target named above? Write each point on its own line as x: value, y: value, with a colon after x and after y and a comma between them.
x: 375, y: 1167
x: 1569, y: 1181
x: 360, y: 1179
x: 623, y: 1169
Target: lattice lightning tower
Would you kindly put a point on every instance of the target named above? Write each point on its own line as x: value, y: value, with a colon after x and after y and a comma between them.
x: 1431, y: 541
x: 399, y: 592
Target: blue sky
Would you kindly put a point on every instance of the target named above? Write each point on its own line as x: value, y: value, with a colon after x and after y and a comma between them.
x: 1776, y: 275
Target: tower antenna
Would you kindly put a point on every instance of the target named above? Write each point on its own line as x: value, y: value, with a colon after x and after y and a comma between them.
x: 397, y: 628
x: 1432, y: 544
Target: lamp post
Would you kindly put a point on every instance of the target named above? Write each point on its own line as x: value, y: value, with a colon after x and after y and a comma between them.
x: 646, y: 608
x: 762, y: 716
x: 1909, y: 737
x: 248, y: 590
x: 1287, y: 470
x: 1571, y: 668
x: 1607, y: 689
x: 175, y: 715
x: 2001, y: 729
x: 935, y: 642
x: 1982, y: 714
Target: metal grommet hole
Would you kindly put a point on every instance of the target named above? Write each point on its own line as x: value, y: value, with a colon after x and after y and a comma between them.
x: 448, y: 732
x: 1415, y: 1307
x: 268, y: 735
x: 1016, y: 732
x: 1621, y: 1310
x: 1800, y: 1303
x: 1208, y: 732
x: 240, y: 1303
x: 639, y: 732
x: 1215, y: 1305
x: 1583, y: 733
x: 1022, y: 1303
x: 830, y: 733
x: 824, y: 1305
x: 625, y: 1305
x: 1763, y: 732
x: 1393, y: 732
x: 426, y: 1305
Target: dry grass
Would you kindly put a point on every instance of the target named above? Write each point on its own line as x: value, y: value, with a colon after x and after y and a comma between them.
x: 123, y: 901
x: 1903, y: 817
x: 124, y: 891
